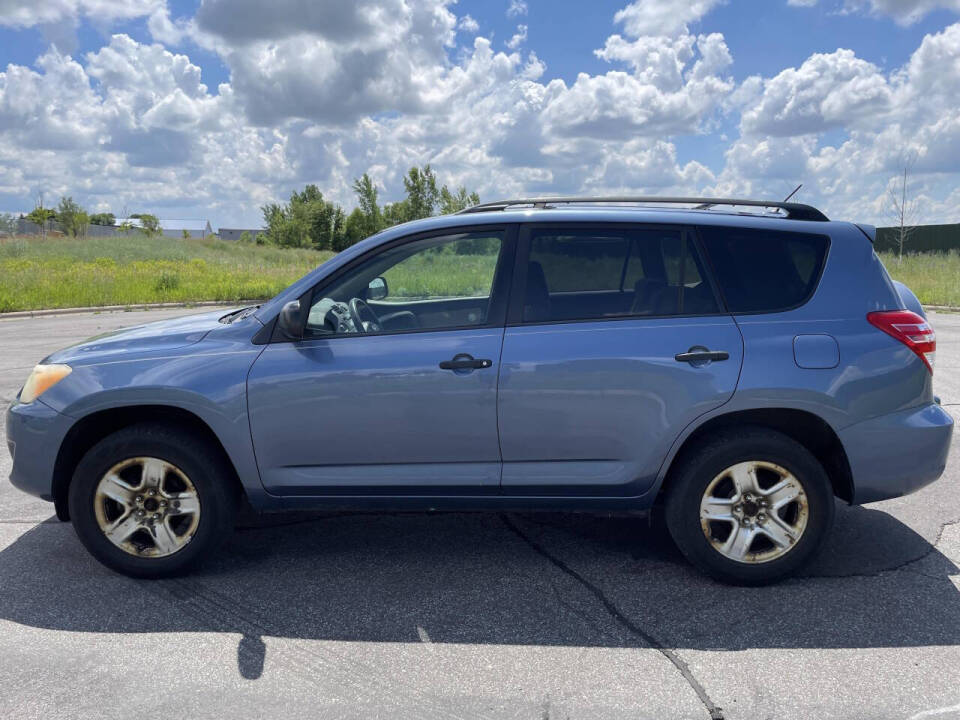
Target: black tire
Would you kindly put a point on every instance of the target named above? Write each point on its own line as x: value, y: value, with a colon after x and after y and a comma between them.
x: 698, y: 468
x: 203, y: 465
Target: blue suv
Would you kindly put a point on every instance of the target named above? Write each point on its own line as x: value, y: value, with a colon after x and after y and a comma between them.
x: 738, y: 363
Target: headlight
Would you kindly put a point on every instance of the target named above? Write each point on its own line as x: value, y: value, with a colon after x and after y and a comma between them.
x: 42, y: 379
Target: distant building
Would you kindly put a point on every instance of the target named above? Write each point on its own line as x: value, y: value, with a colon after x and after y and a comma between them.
x: 235, y: 233
x: 196, y: 228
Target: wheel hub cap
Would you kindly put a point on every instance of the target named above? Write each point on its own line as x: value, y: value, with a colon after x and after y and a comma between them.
x: 147, y: 507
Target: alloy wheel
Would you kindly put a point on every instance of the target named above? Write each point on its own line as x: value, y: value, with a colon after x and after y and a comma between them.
x: 754, y: 512
x: 147, y: 507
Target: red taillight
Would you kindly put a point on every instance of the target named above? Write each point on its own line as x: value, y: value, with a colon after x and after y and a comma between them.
x: 910, y: 329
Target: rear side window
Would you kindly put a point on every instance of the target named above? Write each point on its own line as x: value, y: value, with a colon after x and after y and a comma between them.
x: 585, y: 274
x: 764, y: 270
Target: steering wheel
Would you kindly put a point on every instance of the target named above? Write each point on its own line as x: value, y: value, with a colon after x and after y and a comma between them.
x: 359, y: 308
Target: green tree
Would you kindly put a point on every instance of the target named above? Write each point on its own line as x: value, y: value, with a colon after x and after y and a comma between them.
x: 284, y: 229
x: 72, y: 218
x: 149, y: 224
x: 355, y: 229
x: 186, y: 234
x: 420, y: 185
x: 308, y: 220
x: 108, y: 219
x: 451, y: 203
x: 41, y: 216
x: 396, y: 213
x: 368, y: 199
x: 245, y: 237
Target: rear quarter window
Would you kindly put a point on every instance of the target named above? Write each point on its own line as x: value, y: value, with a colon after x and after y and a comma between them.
x: 764, y: 270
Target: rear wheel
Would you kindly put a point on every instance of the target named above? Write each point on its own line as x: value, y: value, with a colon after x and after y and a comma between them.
x: 749, y: 507
x: 151, y: 500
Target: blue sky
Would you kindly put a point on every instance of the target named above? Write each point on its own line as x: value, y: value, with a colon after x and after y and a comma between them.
x: 211, y: 109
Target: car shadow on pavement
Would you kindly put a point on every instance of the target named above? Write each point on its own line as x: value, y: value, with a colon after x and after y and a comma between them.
x: 551, y: 579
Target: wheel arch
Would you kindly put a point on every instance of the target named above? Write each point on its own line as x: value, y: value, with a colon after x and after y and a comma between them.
x: 92, y: 428
x: 807, y: 428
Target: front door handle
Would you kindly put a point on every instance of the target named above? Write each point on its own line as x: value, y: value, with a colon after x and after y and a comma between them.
x: 698, y: 355
x: 462, y: 361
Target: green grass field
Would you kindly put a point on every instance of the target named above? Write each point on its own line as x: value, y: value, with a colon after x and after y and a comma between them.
x: 934, y: 277
x: 61, y: 272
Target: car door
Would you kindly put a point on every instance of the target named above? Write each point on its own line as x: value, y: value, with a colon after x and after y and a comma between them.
x: 402, y: 400
x: 615, y: 343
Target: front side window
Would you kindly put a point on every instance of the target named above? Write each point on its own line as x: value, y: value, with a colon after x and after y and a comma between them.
x: 593, y: 274
x: 764, y: 270
x: 430, y: 284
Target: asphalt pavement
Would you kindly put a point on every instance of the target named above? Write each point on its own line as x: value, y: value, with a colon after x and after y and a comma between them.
x: 477, y: 615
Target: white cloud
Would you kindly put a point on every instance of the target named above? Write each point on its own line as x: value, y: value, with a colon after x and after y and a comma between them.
x: 644, y: 167
x: 881, y: 117
x: 54, y: 109
x: 516, y: 7
x: 331, y: 61
x: 468, y: 24
x: 827, y: 91
x: 27, y: 13
x: 666, y: 94
x: 518, y: 38
x: 315, y: 99
x: 662, y: 17
x: 905, y: 12
x: 321, y: 92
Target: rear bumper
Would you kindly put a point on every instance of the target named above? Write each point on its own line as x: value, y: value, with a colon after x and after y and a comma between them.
x: 897, y: 454
x: 34, y: 435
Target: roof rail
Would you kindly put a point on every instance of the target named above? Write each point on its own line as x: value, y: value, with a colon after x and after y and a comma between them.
x: 794, y: 211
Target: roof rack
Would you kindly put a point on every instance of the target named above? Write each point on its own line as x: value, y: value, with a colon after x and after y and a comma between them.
x: 794, y: 211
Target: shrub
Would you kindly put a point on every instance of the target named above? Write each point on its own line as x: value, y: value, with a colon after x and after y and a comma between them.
x: 166, y: 281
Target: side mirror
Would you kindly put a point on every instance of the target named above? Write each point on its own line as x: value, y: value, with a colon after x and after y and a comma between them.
x: 290, y: 322
x: 377, y: 289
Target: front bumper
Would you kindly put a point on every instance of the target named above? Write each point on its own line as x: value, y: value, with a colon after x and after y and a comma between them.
x: 899, y: 453
x: 34, y: 434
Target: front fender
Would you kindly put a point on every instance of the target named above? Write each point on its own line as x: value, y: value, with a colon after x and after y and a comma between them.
x: 209, y: 382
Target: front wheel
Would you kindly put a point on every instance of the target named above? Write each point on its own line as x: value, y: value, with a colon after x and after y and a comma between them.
x: 151, y: 500
x: 749, y: 507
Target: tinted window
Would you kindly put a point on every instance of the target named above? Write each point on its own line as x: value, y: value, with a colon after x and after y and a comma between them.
x: 579, y: 261
x: 586, y: 274
x: 763, y: 270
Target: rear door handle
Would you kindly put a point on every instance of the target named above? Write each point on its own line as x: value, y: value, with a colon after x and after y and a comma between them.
x: 462, y: 361
x: 698, y: 355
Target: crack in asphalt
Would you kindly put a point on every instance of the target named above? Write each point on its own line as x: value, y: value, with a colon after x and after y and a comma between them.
x: 901, y: 567
x: 716, y: 713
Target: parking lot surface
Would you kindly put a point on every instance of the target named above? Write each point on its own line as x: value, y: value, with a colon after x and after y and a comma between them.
x: 477, y: 615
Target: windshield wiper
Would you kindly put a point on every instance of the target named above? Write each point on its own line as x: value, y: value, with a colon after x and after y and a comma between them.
x: 240, y: 314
